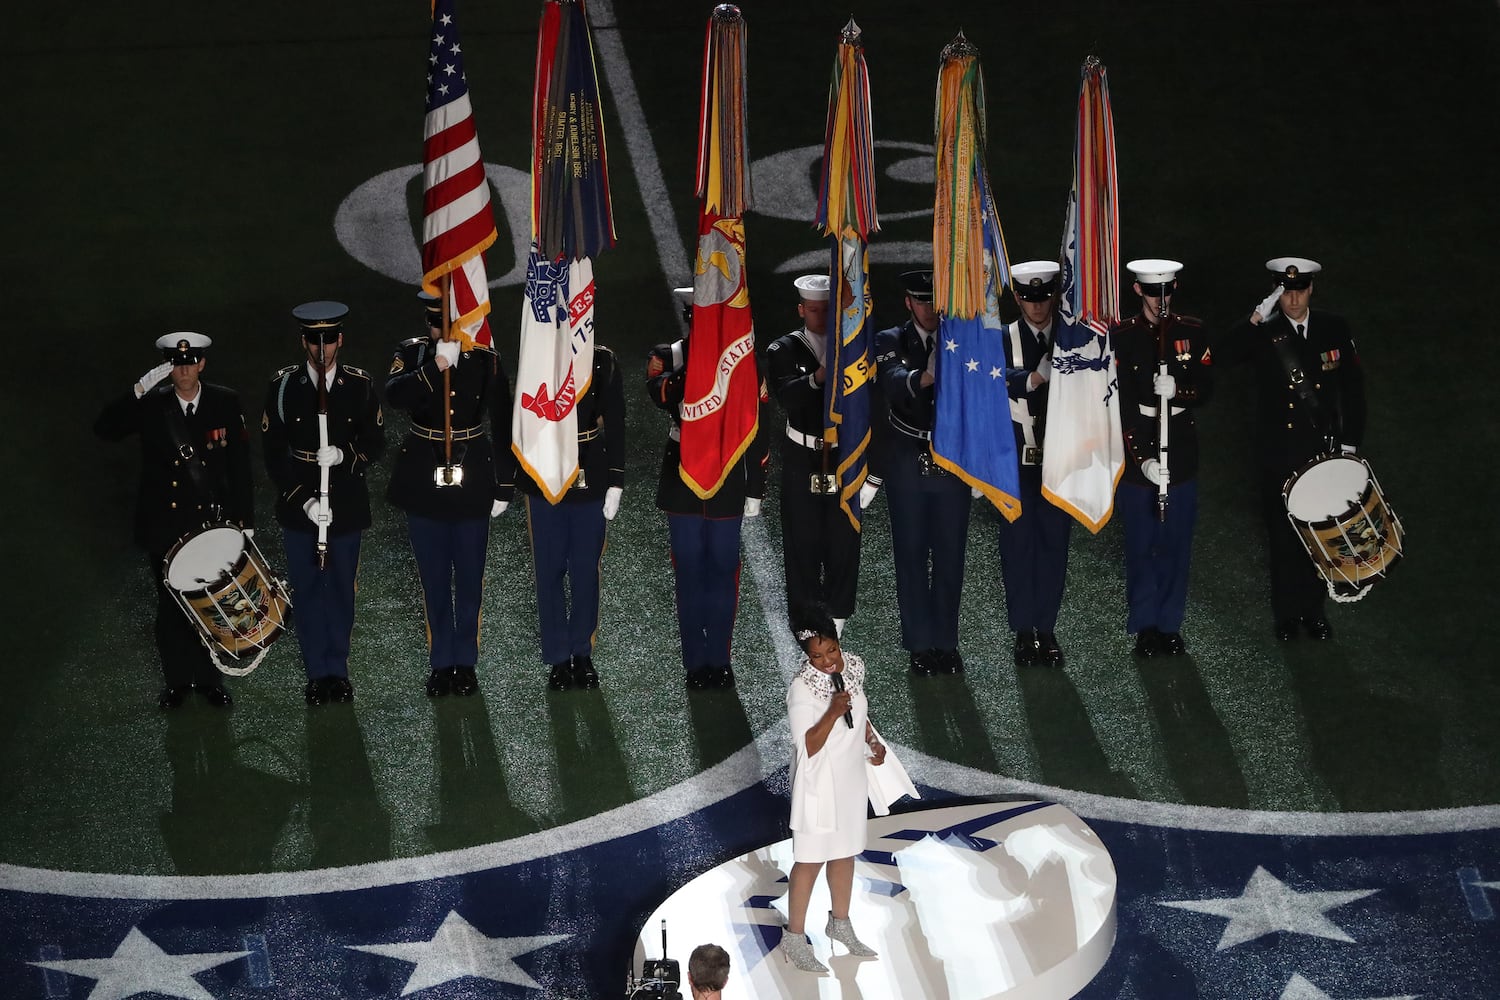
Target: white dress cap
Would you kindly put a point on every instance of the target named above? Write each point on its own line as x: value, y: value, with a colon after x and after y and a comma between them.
x: 1033, y: 272
x: 1154, y: 270
x: 812, y: 287
x: 174, y: 341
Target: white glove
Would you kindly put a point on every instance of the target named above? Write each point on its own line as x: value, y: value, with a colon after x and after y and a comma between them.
x: 329, y: 456
x: 317, y: 511
x: 752, y: 506
x: 1347, y: 449
x: 1152, y: 470
x: 499, y: 507
x: 249, y: 532
x: 1268, y: 303
x: 612, y: 502
x: 1164, y: 386
x: 150, y: 379
x: 867, y: 495
x: 448, y: 351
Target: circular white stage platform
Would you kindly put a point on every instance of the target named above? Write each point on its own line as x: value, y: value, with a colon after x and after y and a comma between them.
x: 1012, y: 900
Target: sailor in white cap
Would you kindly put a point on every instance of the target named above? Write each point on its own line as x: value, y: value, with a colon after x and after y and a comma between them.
x: 1310, y: 397
x: 704, y: 531
x: 195, y: 471
x: 1034, y: 547
x: 820, y: 548
x: 1162, y: 359
x: 296, y: 452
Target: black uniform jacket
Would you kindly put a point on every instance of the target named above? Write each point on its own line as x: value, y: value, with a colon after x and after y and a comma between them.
x: 193, y: 472
x: 790, y: 366
x: 1289, y: 431
x: 1032, y: 353
x: 478, y: 387
x: 1188, y: 360
x: 601, y: 436
x: 746, y: 479
x: 906, y: 405
x: 289, y: 427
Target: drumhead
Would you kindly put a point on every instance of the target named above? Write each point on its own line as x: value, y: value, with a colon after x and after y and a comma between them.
x: 1327, y: 489
x: 204, y: 558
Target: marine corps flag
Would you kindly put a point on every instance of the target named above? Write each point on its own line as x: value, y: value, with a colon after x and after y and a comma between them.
x: 1085, y: 453
x: 846, y: 212
x: 971, y: 435
x: 570, y: 223
x: 721, y: 390
x: 457, y: 224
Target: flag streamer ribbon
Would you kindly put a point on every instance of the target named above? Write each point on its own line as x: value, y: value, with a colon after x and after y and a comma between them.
x: 723, y: 141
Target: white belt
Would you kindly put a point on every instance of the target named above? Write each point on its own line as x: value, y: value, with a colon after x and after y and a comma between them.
x: 812, y: 441
x: 1150, y: 411
x: 675, y: 434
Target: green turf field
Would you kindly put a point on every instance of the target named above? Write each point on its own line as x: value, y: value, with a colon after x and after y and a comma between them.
x: 172, y: 170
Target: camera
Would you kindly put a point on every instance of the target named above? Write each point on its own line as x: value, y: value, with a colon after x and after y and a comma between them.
x: 660, y: 977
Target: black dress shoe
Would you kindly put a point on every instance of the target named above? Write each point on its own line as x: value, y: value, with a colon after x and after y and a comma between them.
x: 338, y: 689
x: 216, y: 695
x: 700, y: 678
x: 1317, y: 627
x: 1047, y: 649
x: 949, y: 661
x: 584, y: 674
x: 561, y: 677
x: 316, y: 692
x: 1027, y: 650
x: 723, y: 676
x: 172, y: 697
x: 1172, y: 644
x: 1148, y: 642
x: 440, y: 683
x: 1286, y: 631
x: 922, y: 663
x: 465, y: 682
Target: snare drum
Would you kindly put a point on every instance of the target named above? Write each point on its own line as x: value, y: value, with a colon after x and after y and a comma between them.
x: 222, y: 583
x: 1351, y: 534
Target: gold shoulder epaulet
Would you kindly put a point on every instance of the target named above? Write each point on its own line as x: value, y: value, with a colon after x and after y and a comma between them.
x: 356, y: 372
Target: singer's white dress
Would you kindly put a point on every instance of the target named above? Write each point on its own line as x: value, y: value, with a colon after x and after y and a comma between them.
x: 830, y: 792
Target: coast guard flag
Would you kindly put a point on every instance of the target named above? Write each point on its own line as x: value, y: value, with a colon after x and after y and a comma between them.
x: 571, y: 221
x: 1085, y: 453
x: 457, y: 224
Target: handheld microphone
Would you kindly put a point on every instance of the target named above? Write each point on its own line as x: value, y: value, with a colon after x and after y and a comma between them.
x: 838, y: 685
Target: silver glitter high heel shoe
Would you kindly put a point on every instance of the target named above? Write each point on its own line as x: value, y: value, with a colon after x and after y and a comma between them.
x: 795, y: 949
x: 842, y: 931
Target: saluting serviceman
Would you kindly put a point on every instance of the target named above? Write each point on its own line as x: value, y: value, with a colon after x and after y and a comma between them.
x: 567, y: 537
x: 450, y: 491
x: 1034, y: 547
x: 1159, y: 534
x: 1310, y: 394
x: 195, y: 471
x: 321, y: 531
x: 704, y: 533
x: 929, y: 506
x: 820, y: 547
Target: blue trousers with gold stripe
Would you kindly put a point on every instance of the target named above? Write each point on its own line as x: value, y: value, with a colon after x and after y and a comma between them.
x: 706, y: 561
x: 323, y: 599
x: 567, y: 542
x: 450, y: 561
x: 1157, y: 553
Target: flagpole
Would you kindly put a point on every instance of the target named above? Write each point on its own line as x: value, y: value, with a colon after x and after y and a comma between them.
x: 447, y: 291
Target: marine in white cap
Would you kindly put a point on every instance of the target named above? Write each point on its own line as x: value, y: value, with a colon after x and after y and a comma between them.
x: 1162, y: 360
x: 820, y: 548
x: 1310, y: 402
x: 1034, y: 547
x: 195, y: 472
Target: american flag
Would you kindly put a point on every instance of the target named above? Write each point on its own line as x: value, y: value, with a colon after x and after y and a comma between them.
x: 457, y: 224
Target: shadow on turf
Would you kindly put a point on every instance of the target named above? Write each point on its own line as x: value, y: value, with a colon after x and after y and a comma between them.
x: 1067, y: 748
x: 1195, y: 743
x: 591, y: 774
x: 474, y: 805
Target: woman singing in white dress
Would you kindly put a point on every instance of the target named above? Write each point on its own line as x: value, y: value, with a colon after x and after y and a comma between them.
x: 833, y: 745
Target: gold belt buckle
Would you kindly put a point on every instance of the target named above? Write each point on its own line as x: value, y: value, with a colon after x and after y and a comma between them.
x: 448, y: 475
x: 823, y: 485
x: 1031, y: 455
x: 582, y: 482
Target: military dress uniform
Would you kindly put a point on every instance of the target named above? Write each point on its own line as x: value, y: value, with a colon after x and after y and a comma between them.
x: 705, y: 532
x: 450, y: 524
x: 323, y: 595
x: 929, y: 506
x: 195, y: 471
x: 567, y: 537
x: 1158, y: 553
x: 820, y: 547
x: 1293, y: 426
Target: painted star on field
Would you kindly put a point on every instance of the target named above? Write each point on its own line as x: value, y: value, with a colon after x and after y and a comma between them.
x: 138, y: 966
x: 458, y: 950
x: 1301, y: 989
x: 1268, y: 905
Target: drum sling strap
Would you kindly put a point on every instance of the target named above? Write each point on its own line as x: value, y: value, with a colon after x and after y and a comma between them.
x: 1324, y: 421
x: 177, y: 430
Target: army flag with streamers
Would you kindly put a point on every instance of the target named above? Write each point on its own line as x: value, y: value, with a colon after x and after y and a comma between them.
x: 1085, y: 453
x: 971, y: 429
x: 846, y: 212
x: 571, y: 222
x: 721, y: 388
